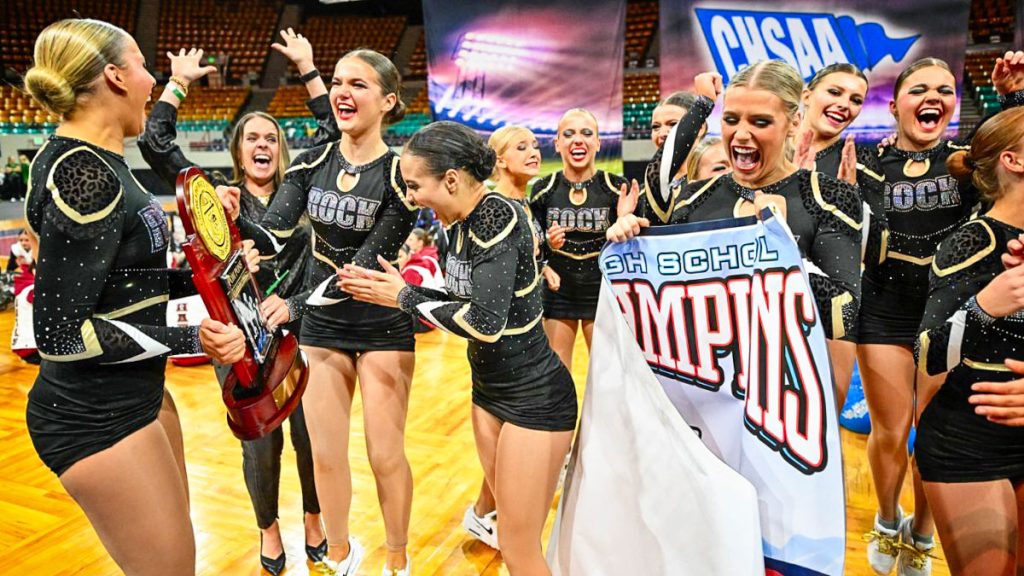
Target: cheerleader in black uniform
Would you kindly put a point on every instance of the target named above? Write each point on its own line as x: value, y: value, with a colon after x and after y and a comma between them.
x: 517, y: 161
x: 761, y: 113
x: 667, y: 114
x: 97, y: 413
x: 973, y: 467
x: 353, y: 194
x: 259, y: 153
x: 583, y: 201
x: 922, y: 204
x: 832, y: 101
x: 524, y: 401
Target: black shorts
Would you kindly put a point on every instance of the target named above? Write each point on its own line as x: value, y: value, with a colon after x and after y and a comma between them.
x: 889, y: 313
x: 954, y: 444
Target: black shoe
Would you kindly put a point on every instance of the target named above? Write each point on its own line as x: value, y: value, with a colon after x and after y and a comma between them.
x: 317, y: 553
x: 274, y: 566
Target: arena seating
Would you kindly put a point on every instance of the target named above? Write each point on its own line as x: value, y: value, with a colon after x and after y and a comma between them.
x: 641, y: 24
x: 991, y: 21
x: 20, y: 114
x: 640, y: 96
x: 333, y: 36
x: 418, y: 61
x: 242, y: 30
x: 208, y: 109
x: 978, y: 81
x: 23, y: 20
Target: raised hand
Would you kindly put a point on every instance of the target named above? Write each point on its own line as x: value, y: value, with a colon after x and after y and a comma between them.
x: 803, y: 157
x: 188, y: 65
x: 381, y: 288
x: 1008, y: 73
x: 628, y: 200
x: 848, y: 162
x: 297, y: 49
x: 626, y: 227
x: 708, y: 84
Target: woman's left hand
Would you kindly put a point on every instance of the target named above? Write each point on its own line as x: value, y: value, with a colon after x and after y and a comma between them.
x: 1008, y: 73
x: 365, y: 285
x: 297, y: 49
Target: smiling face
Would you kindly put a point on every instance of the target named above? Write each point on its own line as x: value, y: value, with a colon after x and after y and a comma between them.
x: 357, y: 97
x: 260, y: 150
x: 577, y: 141
x: 834, y: 103
x: 663, y: 118
x: 924, y: 106
x: 425, y: 188
x: 755, y: 127
x: 521, y: 158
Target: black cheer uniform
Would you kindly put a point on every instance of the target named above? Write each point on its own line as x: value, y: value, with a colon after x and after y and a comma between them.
x: 824, y: 215
x: 870, y: 185
x: 662, y: 192
x: 100, y: 316
x: 373, y: 218
x: 552, y: 202
x: 953, y: 443
x: 920, y: 212
x: 493, y: 300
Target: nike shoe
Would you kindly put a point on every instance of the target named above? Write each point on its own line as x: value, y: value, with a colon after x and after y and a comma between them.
x: 915, y: 558
x: 349, y: 565
x: 483, y: 528
x: 883, y: 546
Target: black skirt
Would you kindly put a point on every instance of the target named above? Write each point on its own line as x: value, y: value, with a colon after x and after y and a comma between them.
x: 888, y: 315
x: 76, y: 410
x: 357, y: 327
x: 956, y: 445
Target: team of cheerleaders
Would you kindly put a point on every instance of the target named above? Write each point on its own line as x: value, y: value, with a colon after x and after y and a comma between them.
x: 937, y: 310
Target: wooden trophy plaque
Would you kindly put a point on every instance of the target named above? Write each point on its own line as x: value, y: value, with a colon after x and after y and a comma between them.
x: 263, y: 388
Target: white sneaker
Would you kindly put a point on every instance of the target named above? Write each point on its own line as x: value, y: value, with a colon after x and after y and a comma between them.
x: 483, y: 528
x: 883, y: 546
x: 915, y: 558
x: 396, y: 572
x: 349, y: 565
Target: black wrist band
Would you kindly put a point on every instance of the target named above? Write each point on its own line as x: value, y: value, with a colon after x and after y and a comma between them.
x: 310, y: 76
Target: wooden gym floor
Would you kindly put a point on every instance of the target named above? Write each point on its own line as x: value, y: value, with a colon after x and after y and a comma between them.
x: 43, y: 532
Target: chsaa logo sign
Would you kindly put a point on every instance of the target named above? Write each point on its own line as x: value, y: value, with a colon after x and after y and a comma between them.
x: 808, y: 41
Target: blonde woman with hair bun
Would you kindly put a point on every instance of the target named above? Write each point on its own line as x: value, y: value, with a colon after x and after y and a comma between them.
x: 98, y: 414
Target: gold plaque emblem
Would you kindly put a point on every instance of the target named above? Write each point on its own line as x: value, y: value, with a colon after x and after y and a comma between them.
x: 209, y: 219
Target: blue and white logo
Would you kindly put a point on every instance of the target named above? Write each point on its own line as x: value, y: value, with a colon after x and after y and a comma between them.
x: 808, y: 41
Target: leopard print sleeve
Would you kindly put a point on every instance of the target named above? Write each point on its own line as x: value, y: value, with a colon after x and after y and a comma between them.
x: 80, y: 238
x: 965, y: 262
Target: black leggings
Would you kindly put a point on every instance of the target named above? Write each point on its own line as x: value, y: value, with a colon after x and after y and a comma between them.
x: 261, y: 465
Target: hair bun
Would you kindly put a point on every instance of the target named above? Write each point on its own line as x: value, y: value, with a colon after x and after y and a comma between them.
x: 960, y: 165
x: 483, y: 165
x: 50, y: 89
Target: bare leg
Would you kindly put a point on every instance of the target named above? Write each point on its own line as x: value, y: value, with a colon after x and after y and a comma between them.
x: 977, y: 524
x: 527, y: 467
x: 588, y: 332
x: 168, y: 418
x: 887, y: 372
x: 327, y: 403
x: 384, y: 381
x: 925, y: 388
x: 486, y: 429
x: 123, y: 489
x: 843, y: 355
x: 562, y: 337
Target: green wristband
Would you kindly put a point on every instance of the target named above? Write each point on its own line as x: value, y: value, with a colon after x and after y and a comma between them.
x: 178, y: 93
